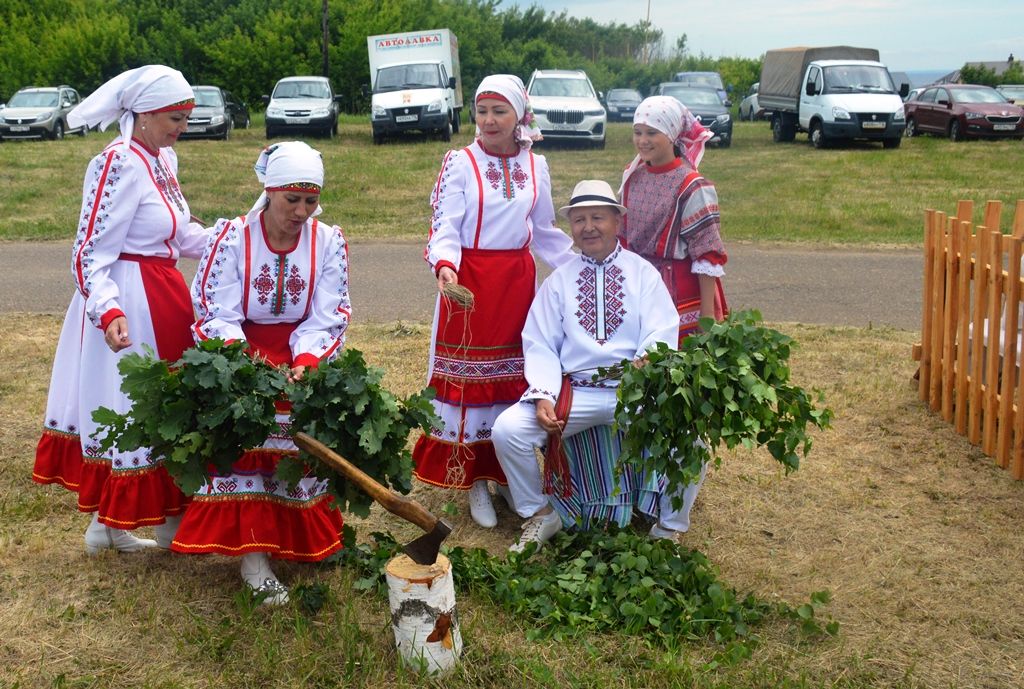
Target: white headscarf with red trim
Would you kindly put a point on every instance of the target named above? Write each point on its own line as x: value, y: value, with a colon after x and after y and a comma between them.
x: 287, y: 163
x: 674, y: 120
x: 144, y: 89
x: 511, y: 89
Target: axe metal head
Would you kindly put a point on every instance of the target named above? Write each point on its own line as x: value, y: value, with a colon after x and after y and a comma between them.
x: 424, y: 549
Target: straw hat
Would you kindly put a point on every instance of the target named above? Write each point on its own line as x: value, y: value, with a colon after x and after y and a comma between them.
x: 592, y: 192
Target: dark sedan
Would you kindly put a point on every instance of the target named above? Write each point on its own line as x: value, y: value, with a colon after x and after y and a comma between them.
x: 706, y: 106
x: 621, y: 104
x: 961, y: 111
x: 217, y: 112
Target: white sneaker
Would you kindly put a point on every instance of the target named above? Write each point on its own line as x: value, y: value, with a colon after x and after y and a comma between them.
x: 100, y: 537
x: 504, y: 492
x: 480, y: 505
x: 165, y: 532
x: 537, y: 529
x: 658, y: 531
x: 256, y: 573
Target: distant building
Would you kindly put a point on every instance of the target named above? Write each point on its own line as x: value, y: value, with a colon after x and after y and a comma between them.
x: 998, y: 67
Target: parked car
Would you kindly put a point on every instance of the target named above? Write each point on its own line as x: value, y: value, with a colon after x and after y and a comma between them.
x: 1012, y: 92
x: 567, y: 107
x: 621, y: 104
x: 962, y: 111
x: 40, y: 112
x: 302, y: 104
x: 217, y: 112
x: 750, y: 109
x: 711, y: 80
x: 705, y: 106
x: 912, y: 94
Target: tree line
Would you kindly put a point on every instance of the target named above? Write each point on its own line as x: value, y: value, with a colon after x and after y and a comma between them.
x: 245, y: 46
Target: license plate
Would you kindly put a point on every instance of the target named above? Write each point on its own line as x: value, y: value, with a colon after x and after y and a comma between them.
x: 406, y: 118
x: 873, y: 125
x: 564, y: 127
x: 296, y: 120
x: 997, y: 127
x: 197, y: 130
x: 19, y: 129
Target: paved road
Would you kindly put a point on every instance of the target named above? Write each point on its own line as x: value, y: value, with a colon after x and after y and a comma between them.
x: 390, y: 282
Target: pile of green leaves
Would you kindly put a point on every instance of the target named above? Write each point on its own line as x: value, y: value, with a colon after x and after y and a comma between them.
x: 728, y: 384
x: 343, y: 405
x: 204, y: 409
x: 606, y: 581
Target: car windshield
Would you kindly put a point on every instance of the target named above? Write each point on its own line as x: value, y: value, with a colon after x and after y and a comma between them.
x: 1012, y: 91
x: 624, y: 96
x: 710, y: 80
x: 976, y: 96
x: 858, y: 79
x: 561, y: 88
x: 691, y: 97
x: 33, y: 99
x: 302, y: 89
x: 408, y: 77
x: 209, y: 98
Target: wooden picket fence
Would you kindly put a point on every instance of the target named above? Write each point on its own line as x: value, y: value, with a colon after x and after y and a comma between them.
x: 973, y: 296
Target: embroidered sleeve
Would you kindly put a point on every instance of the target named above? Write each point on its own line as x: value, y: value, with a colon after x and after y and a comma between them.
x: 543, y: 335
x: 448, y: 203
x: 551, y: 244
x: 110, y: 198
x: 699, y: 222
x: 322, y: 334
x: 659, y: 320
x: 218, y: 284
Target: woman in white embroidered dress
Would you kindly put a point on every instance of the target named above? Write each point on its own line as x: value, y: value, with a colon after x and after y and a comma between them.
x: 277, y: 278
x: 491, y: 205
x: 134, y: 225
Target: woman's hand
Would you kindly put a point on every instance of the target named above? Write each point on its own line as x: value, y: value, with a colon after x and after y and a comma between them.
x: 446, y: 276
x: 546, y: 416
x: 116, y: 334
x: 296, y: 373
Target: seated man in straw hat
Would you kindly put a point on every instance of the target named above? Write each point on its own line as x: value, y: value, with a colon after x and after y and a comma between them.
x: 606, y: 305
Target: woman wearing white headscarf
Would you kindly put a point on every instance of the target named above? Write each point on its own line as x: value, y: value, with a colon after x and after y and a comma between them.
x: 277, y: 278
x: 673, y: 218
x: 491, y: 204
x: 134, y: 225
x: 673, y: 222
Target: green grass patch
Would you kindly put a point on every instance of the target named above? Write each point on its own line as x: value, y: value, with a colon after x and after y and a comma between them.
x: 854, y: 195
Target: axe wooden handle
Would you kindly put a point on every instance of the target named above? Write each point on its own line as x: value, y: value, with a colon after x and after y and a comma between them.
x: 399, y: 505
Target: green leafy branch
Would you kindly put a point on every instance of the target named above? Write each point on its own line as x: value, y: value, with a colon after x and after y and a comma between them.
x: 728, y: 384
x: 216, y: 402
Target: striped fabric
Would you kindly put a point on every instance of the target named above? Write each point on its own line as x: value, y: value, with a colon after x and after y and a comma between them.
x: 598, y: 499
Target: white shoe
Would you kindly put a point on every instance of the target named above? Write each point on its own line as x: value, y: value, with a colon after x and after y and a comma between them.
x: 504, y: 492
x: 165, y: 532
x: 660, y: 532
x: 261, y: 579
x: 480, y: 505
x: 100, y: 537
x: 537, y: 529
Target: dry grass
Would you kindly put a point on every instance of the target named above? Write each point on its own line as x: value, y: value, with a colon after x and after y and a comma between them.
x: 916, y: 534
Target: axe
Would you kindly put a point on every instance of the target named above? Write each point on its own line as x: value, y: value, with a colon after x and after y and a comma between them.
x: 424, y: 549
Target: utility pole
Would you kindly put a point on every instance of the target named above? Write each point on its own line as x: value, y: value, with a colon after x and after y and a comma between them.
x: 325, y: 40
x: 647, y: 29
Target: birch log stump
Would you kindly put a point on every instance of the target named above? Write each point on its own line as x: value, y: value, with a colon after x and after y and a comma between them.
x: 423, y: 613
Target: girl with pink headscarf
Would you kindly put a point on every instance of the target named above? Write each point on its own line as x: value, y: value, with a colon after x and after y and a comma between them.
x: 491, y: 206
x: 673, y: 218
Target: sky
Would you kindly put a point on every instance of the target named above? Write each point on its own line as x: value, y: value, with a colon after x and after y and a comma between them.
x: 937, y: 35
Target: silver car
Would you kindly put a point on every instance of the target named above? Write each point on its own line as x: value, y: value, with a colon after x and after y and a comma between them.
x: 567, y: 107
x: 39, y: 112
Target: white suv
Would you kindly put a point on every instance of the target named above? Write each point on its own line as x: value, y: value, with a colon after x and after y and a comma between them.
x: 567, y: 107
x: 302, y: 104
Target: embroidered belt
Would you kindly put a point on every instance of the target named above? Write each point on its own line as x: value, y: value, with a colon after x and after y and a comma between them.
x: 152, y: 260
